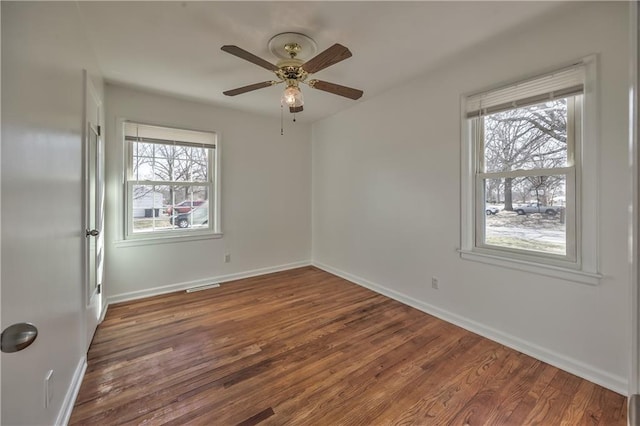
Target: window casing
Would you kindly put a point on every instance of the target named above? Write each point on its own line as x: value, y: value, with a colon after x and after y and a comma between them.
x: 555, y: 235
x: 171, y: 182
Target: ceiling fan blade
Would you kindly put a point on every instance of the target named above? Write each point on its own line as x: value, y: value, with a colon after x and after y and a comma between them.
x: 248, y: 56
x: 296, y: 109
x: 336, y: 89
x: 332, y: 55
x: 249, y: 88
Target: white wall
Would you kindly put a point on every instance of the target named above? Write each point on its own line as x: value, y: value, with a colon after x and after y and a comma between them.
x: 266, y: 202
x: 43, y: 53
x: 386, y: 199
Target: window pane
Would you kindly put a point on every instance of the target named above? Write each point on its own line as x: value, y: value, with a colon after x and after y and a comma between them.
x: 191, y: 164
x: 193, y: 209
x: 533, y: 137
x: 182, y: 152
x: 142, y: 161
x: 164, y: 151
x: 526, y: 213
x: 162, y: 168
x: 148, y: 209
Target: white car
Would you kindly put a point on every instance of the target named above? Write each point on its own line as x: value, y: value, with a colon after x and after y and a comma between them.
x: 523, y: 209
x: 489, y: 210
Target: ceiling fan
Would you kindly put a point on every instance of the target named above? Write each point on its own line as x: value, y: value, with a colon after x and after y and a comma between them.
x: 292, y: 69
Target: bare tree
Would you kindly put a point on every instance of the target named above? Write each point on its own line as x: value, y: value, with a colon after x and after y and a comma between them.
x: 166, y: 162
x: 526, y: 138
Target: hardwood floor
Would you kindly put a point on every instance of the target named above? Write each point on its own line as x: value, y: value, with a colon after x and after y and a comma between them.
x: 304, y: 347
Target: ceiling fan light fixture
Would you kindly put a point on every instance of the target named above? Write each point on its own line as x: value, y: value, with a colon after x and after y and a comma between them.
x: 292, y: 97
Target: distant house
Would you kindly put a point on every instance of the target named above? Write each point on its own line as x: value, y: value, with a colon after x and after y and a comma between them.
x: 148, y: 204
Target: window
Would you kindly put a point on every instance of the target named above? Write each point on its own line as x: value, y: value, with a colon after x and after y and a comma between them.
x: 523, y: 194
x: 171, y: 182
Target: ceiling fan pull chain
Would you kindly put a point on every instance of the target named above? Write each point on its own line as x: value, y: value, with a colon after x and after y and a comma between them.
x: 294, y: 117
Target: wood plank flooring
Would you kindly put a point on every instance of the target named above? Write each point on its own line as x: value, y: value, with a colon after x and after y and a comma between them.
x: 304, y: 347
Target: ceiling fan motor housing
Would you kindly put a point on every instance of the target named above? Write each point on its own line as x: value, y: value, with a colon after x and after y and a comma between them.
x: 291, y: 72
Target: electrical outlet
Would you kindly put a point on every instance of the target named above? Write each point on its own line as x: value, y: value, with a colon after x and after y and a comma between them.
x: 48, y: 389
x: 227, y: 258
x: 435, y: 284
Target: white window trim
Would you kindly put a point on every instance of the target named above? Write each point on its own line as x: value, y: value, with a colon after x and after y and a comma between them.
x: 127, y: 239
x: 585, y: 268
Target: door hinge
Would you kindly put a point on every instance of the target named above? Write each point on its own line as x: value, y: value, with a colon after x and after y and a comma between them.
x: 99, y: 130
x: 99, y: 288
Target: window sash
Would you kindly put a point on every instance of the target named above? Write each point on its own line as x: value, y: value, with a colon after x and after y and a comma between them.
x: 211, y: 225
x: 573, y: 111
x: 211, y: 161
x: 570, y: 223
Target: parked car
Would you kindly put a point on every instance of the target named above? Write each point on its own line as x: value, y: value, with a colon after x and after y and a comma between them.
x: 184, y: 207
x: 196, y: 217
x: 489, y: 210
x: 536, y: 208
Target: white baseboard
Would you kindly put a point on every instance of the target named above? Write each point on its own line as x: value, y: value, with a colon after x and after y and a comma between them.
x: 72, y: 393
x: 154, y: 291
x: 615, y: 383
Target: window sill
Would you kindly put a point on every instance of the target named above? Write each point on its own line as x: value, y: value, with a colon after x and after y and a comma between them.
x: 533, y: 267
x: 134, y: 242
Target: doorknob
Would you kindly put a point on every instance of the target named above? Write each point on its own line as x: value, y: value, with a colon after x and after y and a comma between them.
x: 17, y: 337
x: 92, y: 233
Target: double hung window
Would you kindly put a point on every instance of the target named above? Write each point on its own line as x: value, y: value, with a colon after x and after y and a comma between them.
x: 171, y: 177
x: 522, y: 170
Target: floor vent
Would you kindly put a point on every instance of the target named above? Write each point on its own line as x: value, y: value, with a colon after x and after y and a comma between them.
x: 202, y: 287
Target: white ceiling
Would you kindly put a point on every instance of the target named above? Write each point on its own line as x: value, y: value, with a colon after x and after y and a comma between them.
x: 174, y: 47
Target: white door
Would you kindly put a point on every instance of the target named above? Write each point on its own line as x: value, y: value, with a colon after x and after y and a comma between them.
x: 94, y: 210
